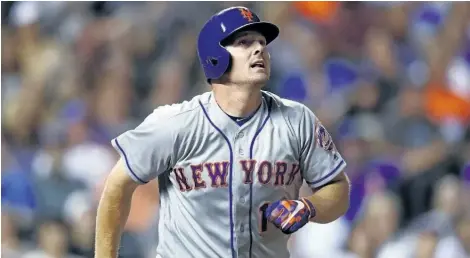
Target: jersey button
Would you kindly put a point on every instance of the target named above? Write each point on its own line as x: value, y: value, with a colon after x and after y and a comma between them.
x: 241, y: 152
x: 242, y: 200
x: 241, y: 134
x: 242, y: 228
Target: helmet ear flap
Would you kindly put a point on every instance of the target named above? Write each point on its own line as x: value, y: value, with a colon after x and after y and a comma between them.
x: 213, y: 61
x: 229, y: 67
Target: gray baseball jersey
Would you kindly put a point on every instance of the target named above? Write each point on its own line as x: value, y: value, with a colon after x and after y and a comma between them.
x: 216, y: 177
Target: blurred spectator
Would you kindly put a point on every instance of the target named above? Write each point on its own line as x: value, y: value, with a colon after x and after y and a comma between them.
x: 426, y: 246
x: 12, y: 246
x: 52, y: 241
x: 457, y: 245
x: 80, y: 216
x: 359, y: 243
x: 380, y: 237
x: 446, y: 209
x: 419, y: 144
x: 17, y: 192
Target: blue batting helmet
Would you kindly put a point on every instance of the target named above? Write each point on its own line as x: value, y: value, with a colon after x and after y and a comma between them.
x: 214, y: 58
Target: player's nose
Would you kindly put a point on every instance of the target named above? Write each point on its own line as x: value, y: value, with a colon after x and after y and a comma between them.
x: 259, y: 49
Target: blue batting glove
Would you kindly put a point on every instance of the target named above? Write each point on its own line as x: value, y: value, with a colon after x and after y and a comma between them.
x: 290, y: 215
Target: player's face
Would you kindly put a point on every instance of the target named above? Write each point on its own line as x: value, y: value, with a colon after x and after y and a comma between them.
x: 250, y: 59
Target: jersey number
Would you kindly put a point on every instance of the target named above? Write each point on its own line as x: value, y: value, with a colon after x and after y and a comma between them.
x: 263, y: 221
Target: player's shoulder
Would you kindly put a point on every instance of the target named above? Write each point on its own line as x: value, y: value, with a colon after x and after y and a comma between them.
x: 291, y: 109
x: 181, y: 110
x: 177, y: 117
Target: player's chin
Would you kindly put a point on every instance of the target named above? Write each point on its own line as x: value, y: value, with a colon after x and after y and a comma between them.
x: 259, y: 78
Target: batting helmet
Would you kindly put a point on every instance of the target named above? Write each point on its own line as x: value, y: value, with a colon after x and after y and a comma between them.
x: 214, y: 58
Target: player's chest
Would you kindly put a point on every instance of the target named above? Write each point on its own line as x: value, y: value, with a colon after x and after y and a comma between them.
x: 267, y: 158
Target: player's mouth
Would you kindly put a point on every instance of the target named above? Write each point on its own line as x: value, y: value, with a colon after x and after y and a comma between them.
x: 258, y: 64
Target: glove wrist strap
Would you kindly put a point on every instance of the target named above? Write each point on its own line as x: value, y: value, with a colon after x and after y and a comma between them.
x: 310, y: 207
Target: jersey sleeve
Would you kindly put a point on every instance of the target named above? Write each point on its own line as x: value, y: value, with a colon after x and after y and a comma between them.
x: 320, y: 161
x: 148, y: 149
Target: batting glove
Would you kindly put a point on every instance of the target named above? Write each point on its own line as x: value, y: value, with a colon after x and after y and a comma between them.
x: 290, y: 215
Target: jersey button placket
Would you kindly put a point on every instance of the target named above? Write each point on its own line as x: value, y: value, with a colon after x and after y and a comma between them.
x: 240, y: 152
x: 239, y: 136
x: 240, y: 145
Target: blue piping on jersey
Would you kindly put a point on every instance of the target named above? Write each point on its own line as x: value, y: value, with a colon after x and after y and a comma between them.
x: 230, y: 180
x: 251, y: 157
x: 127, y: 162
x: 327, y: 175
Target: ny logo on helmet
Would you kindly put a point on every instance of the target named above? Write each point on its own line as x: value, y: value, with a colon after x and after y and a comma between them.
x: 246, y: 14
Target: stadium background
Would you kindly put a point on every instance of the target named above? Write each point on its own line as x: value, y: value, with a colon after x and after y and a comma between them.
x: 391, y: 82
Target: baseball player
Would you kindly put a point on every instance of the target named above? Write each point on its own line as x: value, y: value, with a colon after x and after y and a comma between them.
x: 229, y: 162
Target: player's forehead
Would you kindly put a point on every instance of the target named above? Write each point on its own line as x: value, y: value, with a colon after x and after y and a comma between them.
x: 243, y: 34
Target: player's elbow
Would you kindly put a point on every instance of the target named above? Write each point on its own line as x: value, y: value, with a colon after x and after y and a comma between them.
x: 340, y: 208
x: 339, y: 204
x: 343, y: 200
x: 343, y: 207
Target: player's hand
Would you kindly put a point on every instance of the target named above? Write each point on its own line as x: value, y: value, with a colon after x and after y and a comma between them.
x: 290, y: 215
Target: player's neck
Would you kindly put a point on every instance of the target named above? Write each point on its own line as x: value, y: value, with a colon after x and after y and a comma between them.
x: 236, y: 101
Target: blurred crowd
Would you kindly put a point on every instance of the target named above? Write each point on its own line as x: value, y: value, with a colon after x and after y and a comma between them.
x: 390, y: 81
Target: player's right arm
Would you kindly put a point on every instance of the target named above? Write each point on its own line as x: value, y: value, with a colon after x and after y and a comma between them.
x: 113, y: 211
x: 146, y: 152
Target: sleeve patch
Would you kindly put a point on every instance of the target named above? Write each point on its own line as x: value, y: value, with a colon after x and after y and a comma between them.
x: 324, y: 139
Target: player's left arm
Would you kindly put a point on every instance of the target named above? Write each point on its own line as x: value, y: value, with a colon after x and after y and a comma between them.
x: 323, y: 170
x: 330, y: 201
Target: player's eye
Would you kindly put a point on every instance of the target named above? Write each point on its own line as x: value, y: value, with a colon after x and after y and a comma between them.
x: 243, y: 42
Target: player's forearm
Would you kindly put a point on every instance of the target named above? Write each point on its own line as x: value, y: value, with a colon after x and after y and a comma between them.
x: 113, y: 211
x: 331, y: 201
